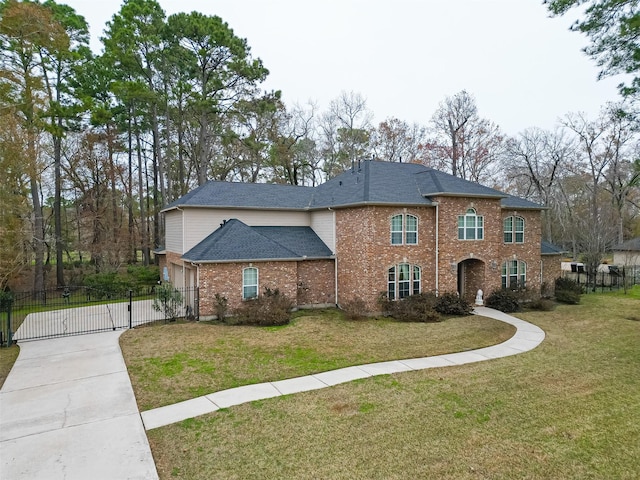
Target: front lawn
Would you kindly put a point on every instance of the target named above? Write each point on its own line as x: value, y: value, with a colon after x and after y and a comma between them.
x: 567, y: 409
x: 175, y: 362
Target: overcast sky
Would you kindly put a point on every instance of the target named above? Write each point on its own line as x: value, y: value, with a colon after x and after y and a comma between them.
x: 524, y: 68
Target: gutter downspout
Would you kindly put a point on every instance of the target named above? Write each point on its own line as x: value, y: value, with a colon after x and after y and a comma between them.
x: 437, y: 248
x: 335, y: 257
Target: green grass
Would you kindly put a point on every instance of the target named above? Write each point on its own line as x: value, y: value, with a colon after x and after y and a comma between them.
x: 8, y: 357
x: 171, y: 363
x: 568, y: 409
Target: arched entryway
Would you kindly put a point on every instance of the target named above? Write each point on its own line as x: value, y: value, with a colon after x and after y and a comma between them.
x: 470, y: 278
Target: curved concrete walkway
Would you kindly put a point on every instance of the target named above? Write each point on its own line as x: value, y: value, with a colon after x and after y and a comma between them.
x: 527, y: 337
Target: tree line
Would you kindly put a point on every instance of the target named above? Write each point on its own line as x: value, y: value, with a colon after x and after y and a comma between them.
x: 93, y: 146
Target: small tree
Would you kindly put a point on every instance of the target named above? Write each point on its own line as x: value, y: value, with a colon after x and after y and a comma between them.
x: 168, y: 300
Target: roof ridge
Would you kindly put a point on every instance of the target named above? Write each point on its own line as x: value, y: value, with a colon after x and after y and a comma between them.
x: 367, y: 181
x: 435, y: 179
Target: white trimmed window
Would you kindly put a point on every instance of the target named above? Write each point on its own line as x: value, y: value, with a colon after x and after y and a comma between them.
x: 514, y: 274
x: 404, y: 229
x: 249, y: 283
x: 403, y: 280
x: 470, y: 226
x: 411, y: 230
x: 396, y: 230
x: 514, y: 229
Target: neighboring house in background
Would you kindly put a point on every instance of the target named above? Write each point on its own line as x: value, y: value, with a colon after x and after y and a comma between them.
x: 397, y: 228
x: 627, y: 253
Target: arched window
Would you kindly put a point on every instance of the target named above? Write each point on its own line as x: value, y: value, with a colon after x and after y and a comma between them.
x: 404, y: 229
x: 403, y: 280
x: 514, y: 274
x: 411, y: 230
x: 514, y: 229
x: 249, y: 283
x: 470, y: 226
x: 396, y: 230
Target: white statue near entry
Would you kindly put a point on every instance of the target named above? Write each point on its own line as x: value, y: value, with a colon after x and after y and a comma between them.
x: 479, y: 298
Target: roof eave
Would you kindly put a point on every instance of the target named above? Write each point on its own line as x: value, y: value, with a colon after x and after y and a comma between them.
x: 235, y: 207
x: 261, y: 260
x: 372, y: 204
x: 462, y: 194
x: 515, y: 207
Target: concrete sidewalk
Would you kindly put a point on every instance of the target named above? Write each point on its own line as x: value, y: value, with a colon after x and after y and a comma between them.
x: 67, y: 410
x: 526, y: 338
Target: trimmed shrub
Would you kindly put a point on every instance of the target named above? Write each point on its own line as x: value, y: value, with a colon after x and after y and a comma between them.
x: 354, y: 308
x: 221, y: 307
x: 168, y: 301
x: 107, y: 285
x: 414, y: 308
x: 541, y: 304
x: 568, y: 296
x: 506, y: 301
x: 143, y: 276
x: 567, y: 291
x: 452, y: 304
x: 6, y: 300
x: 269, y: 309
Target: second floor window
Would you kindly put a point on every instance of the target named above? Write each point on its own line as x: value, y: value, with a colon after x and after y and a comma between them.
x: 470, y: 226
x: 404, y: 229
x: 514, y: 230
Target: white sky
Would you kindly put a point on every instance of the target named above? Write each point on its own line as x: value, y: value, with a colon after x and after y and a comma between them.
x: 405, y: 56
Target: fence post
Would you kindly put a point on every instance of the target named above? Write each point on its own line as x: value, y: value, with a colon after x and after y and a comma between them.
x: 197, y: 304
x: 9, y: 332
x: 130, y: 308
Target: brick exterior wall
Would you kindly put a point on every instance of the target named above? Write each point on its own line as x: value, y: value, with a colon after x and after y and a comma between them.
x: 316, y: 282
x: 364, y: 254
x: 310, y: 282
x: 226, y: 280
x: 551, y: 269
x: 364, y: 250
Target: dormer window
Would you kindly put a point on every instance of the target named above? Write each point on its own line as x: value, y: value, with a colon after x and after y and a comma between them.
x: 404, y: 230
x: 470, y: 226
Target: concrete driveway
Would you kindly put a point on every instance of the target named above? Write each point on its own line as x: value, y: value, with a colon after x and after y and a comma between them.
x: 67, y: 411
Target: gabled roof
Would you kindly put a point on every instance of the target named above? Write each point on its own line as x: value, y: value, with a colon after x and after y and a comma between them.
x: 547, y: 248
x: 236, y: 241
x: 246, y: 195
x: 367, y: 183
x: 632, y: 245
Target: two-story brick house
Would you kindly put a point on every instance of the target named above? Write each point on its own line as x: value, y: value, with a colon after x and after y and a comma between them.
x: 398, y: 228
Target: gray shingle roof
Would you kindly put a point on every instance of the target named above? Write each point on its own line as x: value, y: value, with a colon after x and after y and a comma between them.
x: 236, y: 241
x: 630, y: 245
x: 247, y: 195
x: 547, y: 248
x: 369, y: 182
x: 519, y: 203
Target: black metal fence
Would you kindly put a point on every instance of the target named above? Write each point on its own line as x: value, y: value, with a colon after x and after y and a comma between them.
x: 606, y: 279
x: 80, y: 310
